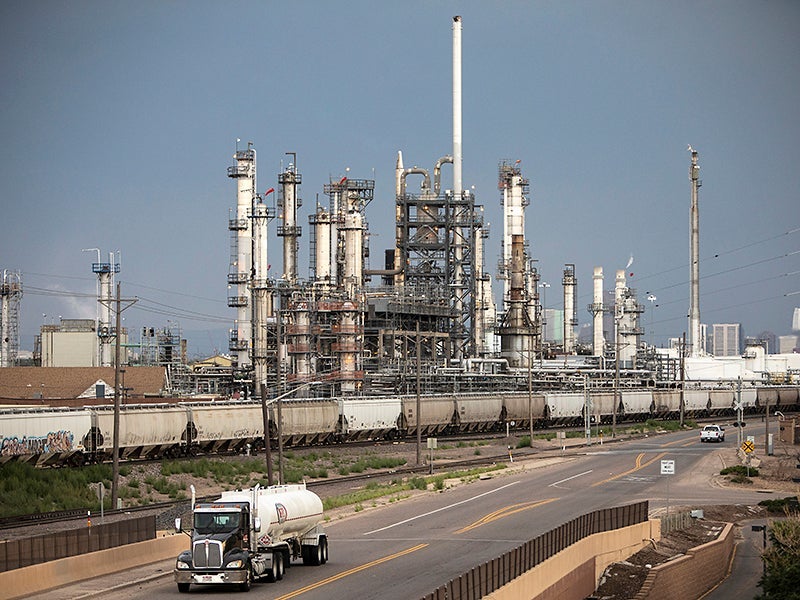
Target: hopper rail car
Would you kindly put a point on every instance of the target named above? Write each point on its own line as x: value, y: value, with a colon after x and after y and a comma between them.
x: 52, y: 436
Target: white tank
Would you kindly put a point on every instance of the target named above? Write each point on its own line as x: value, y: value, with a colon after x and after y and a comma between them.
x: 286, y: 511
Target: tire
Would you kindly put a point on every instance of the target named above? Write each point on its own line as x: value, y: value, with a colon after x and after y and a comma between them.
x: 183, y: 587
x: 276, y: 572
x: 245, y: 585
x: 323, y: 542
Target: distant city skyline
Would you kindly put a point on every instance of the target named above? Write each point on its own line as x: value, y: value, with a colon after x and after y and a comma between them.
x: 119, y: 121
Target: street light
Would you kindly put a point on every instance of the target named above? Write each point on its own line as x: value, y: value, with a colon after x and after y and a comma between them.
x: 652, y: 299
x: 279, y: 426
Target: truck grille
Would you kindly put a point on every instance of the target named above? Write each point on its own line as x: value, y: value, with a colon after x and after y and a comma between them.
x: 207, y: 554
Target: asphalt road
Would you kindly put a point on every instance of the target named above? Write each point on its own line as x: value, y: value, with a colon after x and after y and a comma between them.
x: 407, y: 549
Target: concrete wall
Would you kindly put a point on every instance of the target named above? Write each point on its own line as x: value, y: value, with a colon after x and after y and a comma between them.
x: 575, y: 571
x: 38, y: 578
x: 692, y: 575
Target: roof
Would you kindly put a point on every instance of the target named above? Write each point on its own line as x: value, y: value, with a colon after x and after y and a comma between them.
x: 45, y: 383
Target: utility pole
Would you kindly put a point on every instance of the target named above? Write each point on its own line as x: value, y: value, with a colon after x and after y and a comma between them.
x: 530, y: 390
x: 683, y: 377
x: 118, y: 308
x: 265, y: 419
x: 419, y: 402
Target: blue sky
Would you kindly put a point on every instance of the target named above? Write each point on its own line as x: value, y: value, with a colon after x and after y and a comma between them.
x: 119, y: 119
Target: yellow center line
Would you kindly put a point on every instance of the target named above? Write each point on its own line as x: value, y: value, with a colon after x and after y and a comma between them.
x: 504, y: 512
x: 639, y: 465
x: 352, y: 571
x: 680, y: 441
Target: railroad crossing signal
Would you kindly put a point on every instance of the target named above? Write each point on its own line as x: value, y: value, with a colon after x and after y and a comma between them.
x: 748, y: 446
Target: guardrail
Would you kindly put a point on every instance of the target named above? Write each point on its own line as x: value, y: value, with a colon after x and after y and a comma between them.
x: 494, y: 574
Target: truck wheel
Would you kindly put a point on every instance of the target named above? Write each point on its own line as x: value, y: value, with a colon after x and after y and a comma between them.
x: 183, y: 588
x: 276, y: 572
x: 323, y: 542
x: 245, y: 585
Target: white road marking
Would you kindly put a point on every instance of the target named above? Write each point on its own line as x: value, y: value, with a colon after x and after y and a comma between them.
x: 555, y: 485
x: 439, y: 509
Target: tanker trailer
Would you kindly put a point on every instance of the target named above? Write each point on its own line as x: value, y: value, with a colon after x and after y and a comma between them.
x: 245, y: 535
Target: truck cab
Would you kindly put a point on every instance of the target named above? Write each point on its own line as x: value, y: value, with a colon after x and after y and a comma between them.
x: 220, y: 550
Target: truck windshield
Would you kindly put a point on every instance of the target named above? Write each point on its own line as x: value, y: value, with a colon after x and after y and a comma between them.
x: 216, y: 522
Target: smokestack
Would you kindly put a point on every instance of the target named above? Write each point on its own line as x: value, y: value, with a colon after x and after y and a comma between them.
x: 694, y: 259
x: 457, y: 157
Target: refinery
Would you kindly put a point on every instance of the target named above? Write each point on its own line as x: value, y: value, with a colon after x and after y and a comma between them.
x: 424, y: 319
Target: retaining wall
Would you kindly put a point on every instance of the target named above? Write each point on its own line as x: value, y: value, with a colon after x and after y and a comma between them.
x: 38, y: 578
x: 693, y: 574
x: 574, y: 572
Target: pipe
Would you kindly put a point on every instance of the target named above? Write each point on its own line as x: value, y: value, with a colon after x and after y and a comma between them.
x: 426, y: 184
x: 437, y: 173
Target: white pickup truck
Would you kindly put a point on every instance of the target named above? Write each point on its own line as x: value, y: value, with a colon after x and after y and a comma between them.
x: 712, y: 433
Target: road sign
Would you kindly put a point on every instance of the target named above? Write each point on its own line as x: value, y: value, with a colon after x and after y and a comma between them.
x: 748, y: 446
x: 737, y: 406
x: 668, y: 467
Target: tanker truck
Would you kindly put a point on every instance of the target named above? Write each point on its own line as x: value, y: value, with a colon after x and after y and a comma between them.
x: 251, y: 534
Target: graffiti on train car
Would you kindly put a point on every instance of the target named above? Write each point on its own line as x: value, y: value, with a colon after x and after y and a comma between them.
x: 55, y: 441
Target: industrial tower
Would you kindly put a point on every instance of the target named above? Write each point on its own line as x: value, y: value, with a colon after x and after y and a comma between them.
x: 10, y: 294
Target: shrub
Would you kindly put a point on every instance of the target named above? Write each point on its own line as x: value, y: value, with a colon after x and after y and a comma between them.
x: 742, y: 470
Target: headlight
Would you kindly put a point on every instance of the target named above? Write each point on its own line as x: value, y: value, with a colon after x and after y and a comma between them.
x: 235, y: 564
x: 182, y: 565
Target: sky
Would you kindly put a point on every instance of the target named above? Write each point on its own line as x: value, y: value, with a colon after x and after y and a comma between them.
x: 119, y: 119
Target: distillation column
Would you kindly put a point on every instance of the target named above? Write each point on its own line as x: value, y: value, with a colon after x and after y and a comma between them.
x: 626, y: 318
x: 515, y: 189
x: 244, y: 172
x: 570, y: 284
x: 289, y: 230
x: 321, y: 224
x: 596, y: 309
x: 696, y: 342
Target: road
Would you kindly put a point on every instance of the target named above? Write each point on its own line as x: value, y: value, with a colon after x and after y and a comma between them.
x: 407, y: 549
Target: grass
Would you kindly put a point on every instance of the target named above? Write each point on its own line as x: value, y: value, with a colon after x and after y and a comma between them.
x: 25, y: 489
x: 395, y: 488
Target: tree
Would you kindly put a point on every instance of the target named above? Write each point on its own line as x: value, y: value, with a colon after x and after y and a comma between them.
x: 781, y: 580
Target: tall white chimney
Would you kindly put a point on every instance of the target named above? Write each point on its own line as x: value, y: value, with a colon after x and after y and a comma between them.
x: 457, y: 157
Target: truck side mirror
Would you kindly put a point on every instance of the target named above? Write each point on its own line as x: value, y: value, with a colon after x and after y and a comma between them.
x: 257, y: 524
x: 178, y: 525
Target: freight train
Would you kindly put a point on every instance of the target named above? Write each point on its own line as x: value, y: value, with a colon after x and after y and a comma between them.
x: 75, y: 436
